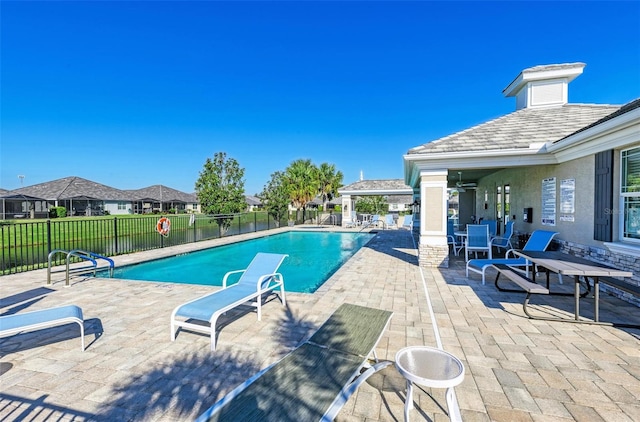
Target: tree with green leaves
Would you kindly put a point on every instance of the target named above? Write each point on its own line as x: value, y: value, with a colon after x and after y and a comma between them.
x: 374, y: 204
x: 275, y: 196
x: 301, y: 180
x: 220, y: 188
x: 330, y: 181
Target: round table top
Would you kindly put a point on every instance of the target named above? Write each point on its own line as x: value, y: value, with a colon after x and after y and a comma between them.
x: 429, y: 366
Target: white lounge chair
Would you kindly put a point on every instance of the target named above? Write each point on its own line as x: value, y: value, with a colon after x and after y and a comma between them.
x: 43, y: 318
x: 259, y: 278
x: 539, y: 241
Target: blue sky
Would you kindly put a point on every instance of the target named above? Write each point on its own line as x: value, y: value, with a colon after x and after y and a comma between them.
x: 132, y: 94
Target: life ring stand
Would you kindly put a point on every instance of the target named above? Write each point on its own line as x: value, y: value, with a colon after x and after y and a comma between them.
x: 163, y: 226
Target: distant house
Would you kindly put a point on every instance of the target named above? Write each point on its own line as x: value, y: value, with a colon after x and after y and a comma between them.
x: 159, y: 198
x: 81, y: 197
x: 16, y: 205
x: 253, y: 203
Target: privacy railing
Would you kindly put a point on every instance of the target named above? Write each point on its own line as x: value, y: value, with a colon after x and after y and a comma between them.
x: 26, y: 245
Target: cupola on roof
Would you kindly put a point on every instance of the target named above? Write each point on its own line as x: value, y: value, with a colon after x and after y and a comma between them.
x: 543, y: 86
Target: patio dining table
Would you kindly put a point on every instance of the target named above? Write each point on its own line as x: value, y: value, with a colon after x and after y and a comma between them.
x: 565, y: 264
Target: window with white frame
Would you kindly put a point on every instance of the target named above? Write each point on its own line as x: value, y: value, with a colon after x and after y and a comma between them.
x: 630, y: 194
x: 122, y: 205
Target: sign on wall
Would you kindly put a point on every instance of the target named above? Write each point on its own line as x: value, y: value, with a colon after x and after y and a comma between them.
x: 548, y: 213
x: 567, y: 200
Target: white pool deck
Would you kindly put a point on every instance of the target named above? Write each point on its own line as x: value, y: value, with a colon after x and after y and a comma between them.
x: 517, y: 369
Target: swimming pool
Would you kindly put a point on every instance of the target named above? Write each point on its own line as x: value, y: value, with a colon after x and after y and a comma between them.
x: 313, y: 258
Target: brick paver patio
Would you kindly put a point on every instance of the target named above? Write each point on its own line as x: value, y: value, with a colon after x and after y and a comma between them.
x: 517, y: 369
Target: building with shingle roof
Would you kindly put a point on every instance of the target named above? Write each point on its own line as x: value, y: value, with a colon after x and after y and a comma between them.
x: 572, y: 167
x: 397, y: 195
x: 82, y: 197
x: 160, y: 198
x: 253, y: 202
x: 79, y: 196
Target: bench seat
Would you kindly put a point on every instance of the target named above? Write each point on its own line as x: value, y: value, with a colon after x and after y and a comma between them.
x: 621, y: 285
x: 526, y: 284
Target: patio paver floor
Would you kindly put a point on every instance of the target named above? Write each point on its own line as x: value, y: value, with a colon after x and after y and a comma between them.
x: 517, y: 369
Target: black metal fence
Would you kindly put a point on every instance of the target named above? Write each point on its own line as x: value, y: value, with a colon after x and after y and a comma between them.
x: 26, y: 245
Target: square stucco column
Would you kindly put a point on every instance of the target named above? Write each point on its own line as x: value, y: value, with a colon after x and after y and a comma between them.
x: 433, y: 249
x: 347, y: 207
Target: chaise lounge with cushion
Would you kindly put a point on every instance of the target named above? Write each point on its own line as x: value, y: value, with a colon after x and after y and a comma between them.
x: 539, y: 241
x: 315, y: 380
x: 259, y: 278
x: 43, y: 318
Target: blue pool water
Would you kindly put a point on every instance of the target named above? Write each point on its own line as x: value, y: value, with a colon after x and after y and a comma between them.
x: 313, y: 258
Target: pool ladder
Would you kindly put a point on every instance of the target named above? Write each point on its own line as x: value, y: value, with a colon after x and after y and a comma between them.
x: 91, y: 257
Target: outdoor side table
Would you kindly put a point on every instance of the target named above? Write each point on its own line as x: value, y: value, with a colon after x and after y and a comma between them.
x: 430, y: 367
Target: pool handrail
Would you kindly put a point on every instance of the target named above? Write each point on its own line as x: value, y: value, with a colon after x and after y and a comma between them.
x: 78, y: 253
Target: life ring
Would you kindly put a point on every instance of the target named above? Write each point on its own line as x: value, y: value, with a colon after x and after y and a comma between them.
x: 163, y: 226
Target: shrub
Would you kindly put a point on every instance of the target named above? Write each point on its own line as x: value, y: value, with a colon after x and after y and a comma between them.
x: 57, y: 212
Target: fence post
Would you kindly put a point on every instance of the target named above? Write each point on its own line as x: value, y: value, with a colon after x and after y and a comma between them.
x: 195, y: 233
x: 48, y: 237
x: 115, y: 234
x: 161, y: 236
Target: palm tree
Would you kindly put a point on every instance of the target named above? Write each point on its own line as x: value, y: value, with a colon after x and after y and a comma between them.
x: 330, y: 181
x: 301, y: 178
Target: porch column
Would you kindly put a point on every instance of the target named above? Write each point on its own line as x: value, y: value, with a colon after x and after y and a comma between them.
x: 433, y: 249
x: 347, y: 207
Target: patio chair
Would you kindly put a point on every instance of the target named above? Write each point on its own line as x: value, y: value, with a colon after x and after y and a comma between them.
x: 539, y: 241
x: 389, y: 221
x: 504, y: 242
x: 259, y: 278
x: 315, y: 380
x: 354, y: 220
x: 477, y: 240
x: 43, y: 318
x: 407, y: 222
x: 493, y: 227
x: 375, y: 220
x: 452, y: 239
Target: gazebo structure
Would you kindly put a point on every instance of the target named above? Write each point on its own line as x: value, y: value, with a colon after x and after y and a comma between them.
x: 396, y: 191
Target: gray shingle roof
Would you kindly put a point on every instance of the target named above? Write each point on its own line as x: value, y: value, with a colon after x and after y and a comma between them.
x: 520, y: 129
x: 632, y: 105
x: 160, y: 193
x: 73, y: 188
x: 253, y: 200
x: 368, y: 185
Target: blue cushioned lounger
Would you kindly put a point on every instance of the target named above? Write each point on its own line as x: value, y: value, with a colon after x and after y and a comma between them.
x: 539, y: 241
x: 44, y: 318
x: 258, y: 278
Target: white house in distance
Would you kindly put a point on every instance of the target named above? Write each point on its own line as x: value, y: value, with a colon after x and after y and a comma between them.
x: 573, y: 168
